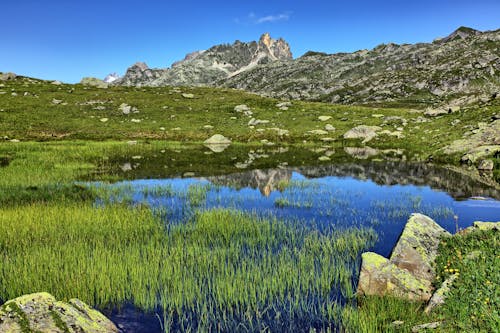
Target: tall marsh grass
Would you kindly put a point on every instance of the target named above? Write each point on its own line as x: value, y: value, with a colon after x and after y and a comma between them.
x: 221, y: 268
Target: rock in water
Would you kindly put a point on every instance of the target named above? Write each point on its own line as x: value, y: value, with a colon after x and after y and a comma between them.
x: 41, y: 312
x: 217, y: 143
x: 409, y: 272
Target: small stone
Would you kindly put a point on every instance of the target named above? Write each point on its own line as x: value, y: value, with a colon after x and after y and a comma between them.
x: 15, y: 141
x: 135, y: 120
x: 103, y: 120
x: 424, y: 327
x: 241, y: 108
x: 188, y: 95
x: 486, y: 165
x: 323, y: 158
x: 56, y: 101
x: 188, y: 174
x: 397, y: 323
x: 329, y: 128
x: 208, y: 127
x: 317, y: 132
x: 324, y: 118
x: 125, y: 108
x: 131, y: 143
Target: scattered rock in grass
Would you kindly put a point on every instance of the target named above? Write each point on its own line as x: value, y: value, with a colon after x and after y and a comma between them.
x: 378, y: 115
x: 217, y: 143
x: 323, y: 158
x: 126, y: 167
x: 103, y: 120
x: 208, y: 127
x: 364, y: 132
x: 486, y: 165
x: 188, y: 174
x: 135, y: 120
x: 56, y: 83
x: 41, y: 312
x: 56, y: 101
x: 324, y: 118
x: 361, y: 153
x: 125, y: 108
x: 189, y: 96
x: 440, y: 295
x: 255, y: 122
x: 15, y: 141
x: 284, y: 105
x: 425, y: 327
x: 397, y: 323
x: 317, y: 132
x: 241, y: 108
x: 436, y: 112
x: 132, y: 142
x: 329, y: 128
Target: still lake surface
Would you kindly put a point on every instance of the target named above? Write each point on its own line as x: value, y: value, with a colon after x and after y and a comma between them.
x: 376, y: 195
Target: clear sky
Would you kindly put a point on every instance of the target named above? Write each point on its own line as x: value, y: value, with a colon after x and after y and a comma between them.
x: 69, y: 39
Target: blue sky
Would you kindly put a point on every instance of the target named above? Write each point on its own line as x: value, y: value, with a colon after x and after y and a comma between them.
x: 66, y: 40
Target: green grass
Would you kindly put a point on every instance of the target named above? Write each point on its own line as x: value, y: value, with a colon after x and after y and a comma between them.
x: 165, y: 115
x: 222, y: 266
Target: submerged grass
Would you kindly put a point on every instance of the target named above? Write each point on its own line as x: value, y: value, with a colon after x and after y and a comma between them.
x: 223, y: 267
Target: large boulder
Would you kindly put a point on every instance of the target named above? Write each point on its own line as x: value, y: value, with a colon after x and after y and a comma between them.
x: 381, y: 277
x: 409, y: 272
x: 417, y: 246
x: 41, y: 312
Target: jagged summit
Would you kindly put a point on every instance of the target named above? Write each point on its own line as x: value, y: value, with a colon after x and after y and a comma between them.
x: 209, y: 66
x: 111, y: 78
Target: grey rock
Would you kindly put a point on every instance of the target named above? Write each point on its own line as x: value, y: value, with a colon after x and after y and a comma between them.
x: 425, y: 327
x: 364, y: 132
x: 486, y: 165
x: 439, y: 296
x: 39, y: 310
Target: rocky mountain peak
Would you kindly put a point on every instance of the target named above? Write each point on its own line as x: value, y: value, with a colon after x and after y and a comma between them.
x: 460, y: 33
x: 277, y: 49
x: 141, y: 66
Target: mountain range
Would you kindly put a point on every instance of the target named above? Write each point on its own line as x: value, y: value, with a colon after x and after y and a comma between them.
x: 462, y: 68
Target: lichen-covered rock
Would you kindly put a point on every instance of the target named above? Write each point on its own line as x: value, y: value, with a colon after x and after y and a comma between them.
x: 487, y: 225
x: 409, y: 272
x: 41, y: 312
x: 417, y: 246
x: 381, y: 277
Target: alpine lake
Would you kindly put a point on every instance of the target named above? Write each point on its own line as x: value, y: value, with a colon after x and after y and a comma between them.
x: 246, y: 238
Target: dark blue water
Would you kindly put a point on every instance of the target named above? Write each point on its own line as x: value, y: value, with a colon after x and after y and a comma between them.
x: 322, y: 203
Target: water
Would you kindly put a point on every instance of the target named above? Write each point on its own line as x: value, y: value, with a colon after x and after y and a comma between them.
x: 377, y: 195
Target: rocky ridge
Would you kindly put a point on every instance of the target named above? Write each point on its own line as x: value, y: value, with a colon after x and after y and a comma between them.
x: 460, y: 69
x: 209, y: 66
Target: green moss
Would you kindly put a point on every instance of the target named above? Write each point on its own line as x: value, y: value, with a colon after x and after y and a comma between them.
x: 59, y: 322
